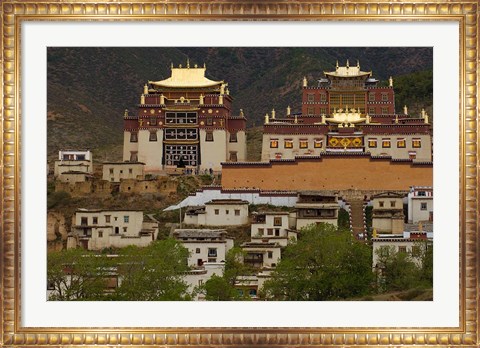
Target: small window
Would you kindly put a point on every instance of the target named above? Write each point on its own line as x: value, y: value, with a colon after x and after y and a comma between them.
x: 372, y: 143
x: 323, y: 97
x: 133, y: 156
x: 423, y: 206
x: 402, y: 249
x: 371, y: 96
x: 392, y: 204
x: 197, y: 250
x: 125, y: 229
x: 153, y: 136
x: 412, y: 155
x: 310, y: 111
x: 310, y: 97
x: 209, y: 121
x: 107, y: 218
x: 130, y: 171
x: 401, y: 143
x: 386, y: 143
x: 323, y: 111
x: 100, y: 234
x: 371, y: 110
x: 95, y: 220
x: 84, y: 221
x: 260, y: 231
x: 217, y: 211
x: 133, y: 137
x: 277, y: 221
x: 288, y: 144
x: 381, y: 204
x: 126, y: 218
x: 416, y: 143
x: 384, y: 97
x: 303, y: 144
x: 227, y: 211
x: 277, y: 232
x: 208, y: 136
x: 384, y: 111
x: 153, y: 121
x: 416, y: 251
x: 121, y: 172
x: 233, y: 137
x: 237, y: 212
x: 233, y: 156
x: 422, y: 193
x: 212, y: 252
x: 318, y: 143
x: 270, y: 231
x: 111, y: 170
x: 270, y: 255
x: 273, y: 143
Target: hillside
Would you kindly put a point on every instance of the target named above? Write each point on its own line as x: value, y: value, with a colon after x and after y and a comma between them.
x: 89, y: 88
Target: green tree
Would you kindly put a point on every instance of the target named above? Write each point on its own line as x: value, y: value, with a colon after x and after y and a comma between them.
x: 404, y: 270
x: 223, y: 288
x: 77, y: 275
x: 324, y: 264
x: 153, y: 273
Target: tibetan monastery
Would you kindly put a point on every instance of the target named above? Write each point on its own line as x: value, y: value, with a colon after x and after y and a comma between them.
x: 184, y: 121
x: 348, y: 113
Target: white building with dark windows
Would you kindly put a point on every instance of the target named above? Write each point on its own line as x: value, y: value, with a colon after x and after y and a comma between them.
x: 420, y: 204
x: 99, y: 229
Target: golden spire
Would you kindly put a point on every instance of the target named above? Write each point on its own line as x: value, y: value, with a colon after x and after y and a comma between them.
x: 241, y: 113
x: 171, y: 65
x: 358, y: 64
x: 348, y: 64
x: 296, y: 119
x: 367, y: 118
x: 405, y: 110
x: 142, y: 99
x: 188, y: 63
x: 266, y: 118
x: 162, y: 99
x: 125, y: 113
x: 396, y: 118
x: 201, y: 99
x: 423, y: 113
x: 426, y: 118
x: 336, y: 66
x: 288, y: 110
x: 273, y: 114
x: 305, y: 83
x: 323, y: 119
x: 145, y: 89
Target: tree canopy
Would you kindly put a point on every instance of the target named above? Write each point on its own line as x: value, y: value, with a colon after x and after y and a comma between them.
x: 324, y: 264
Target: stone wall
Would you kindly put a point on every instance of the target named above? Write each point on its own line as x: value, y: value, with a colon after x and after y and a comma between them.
x: 359, y: 172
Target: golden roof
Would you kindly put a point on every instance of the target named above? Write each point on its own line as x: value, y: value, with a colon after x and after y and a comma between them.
x: 348, y: 71
x: 186, y: 77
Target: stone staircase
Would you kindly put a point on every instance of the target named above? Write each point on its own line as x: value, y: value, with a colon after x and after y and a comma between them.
x: 357, y: 221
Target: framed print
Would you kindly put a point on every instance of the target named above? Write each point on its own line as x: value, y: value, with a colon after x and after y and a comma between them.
x: 181, y: 139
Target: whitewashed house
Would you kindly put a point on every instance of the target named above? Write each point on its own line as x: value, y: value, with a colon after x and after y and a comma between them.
x: 98, y: 229
x: 116, y: 171
x: 218, y: 212
x: 420, y: 204
x: 73, y: 161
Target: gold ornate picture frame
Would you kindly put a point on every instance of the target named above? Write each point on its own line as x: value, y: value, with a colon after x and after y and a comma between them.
x: 14, y: 13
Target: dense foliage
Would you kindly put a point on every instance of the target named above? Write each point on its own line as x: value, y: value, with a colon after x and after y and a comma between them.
x: 152, y: 273
x: 324, y: 264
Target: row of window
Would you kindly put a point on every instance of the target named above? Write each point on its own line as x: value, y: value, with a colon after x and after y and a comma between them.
x: 212, y: 252
x: 302, y: 143
x: 84, y: 219
x: 227, y: 212
x: 130, y: 171
x: 372, y: 96
x: 371, y: 111
x: 178, y: 135
x: 401, y: 143
x: 270, y: 232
